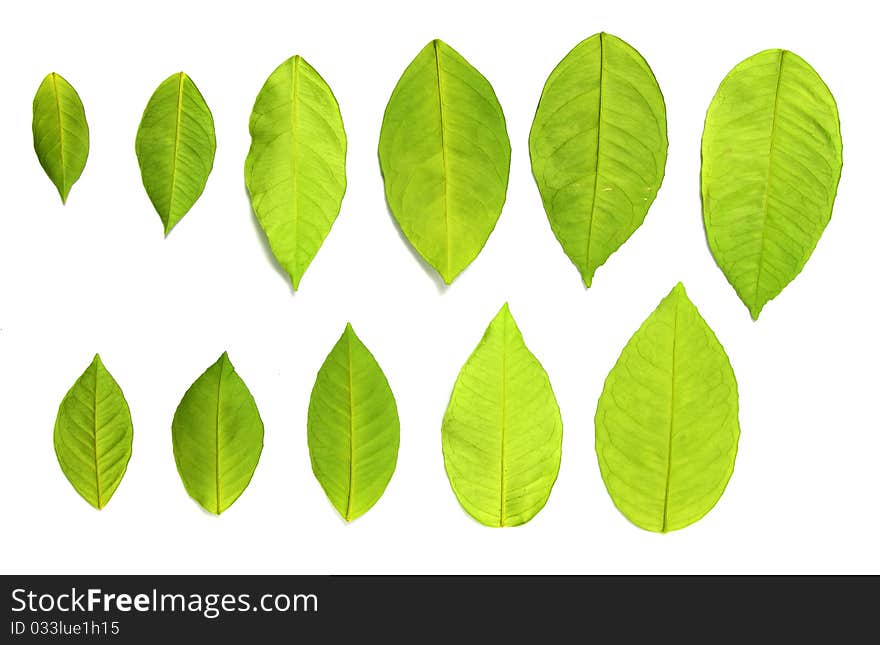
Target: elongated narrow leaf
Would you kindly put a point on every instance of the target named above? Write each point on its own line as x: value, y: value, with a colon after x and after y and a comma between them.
x: 772, y: 156
x: 93, y: 435
x: 598, y: 148
x: 61, y: 133
x: 175, y: 147
x: 353, y: 428
x: 502, y: 433
x: 218, y: 437
x: 295, y: 168
x: 667, y: 423
x: 445, y: 158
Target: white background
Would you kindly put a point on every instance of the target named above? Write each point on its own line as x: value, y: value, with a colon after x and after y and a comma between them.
x: 97, y: 275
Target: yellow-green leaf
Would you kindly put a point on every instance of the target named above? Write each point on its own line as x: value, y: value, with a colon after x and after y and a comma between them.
x: 353, y: 429
x: 295, y: 168
x: 598, y: 148
x: 502, y: 432
x: 445, y: 158
x: 667, y: 423
x: 772, y: 156
x: 61, y: 133
x: 175, y: 147
x: 217, y: 435
x: 93, y: 435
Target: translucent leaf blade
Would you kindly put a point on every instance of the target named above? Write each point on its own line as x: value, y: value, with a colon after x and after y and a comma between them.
x: 295, y: 168
x: 667, y: 422
x: 772, y: 156
x: 502, y: 432
x: 217, y: 436
x: 93, y: 435
x: 598, y: 148
x: 445, y: 158
x: 353, y: 428
x: 61, y: 133
x: 175, y: 148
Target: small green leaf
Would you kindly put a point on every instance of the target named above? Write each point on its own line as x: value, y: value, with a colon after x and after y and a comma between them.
x: 218, y: 437
x: 598, y: 148
x: 667, y: 423
x: 502, y: 432
x: 175, y: 147
x: 61, y: 134
x: 353, y: 427
x: 772, y: 156
x: 93, y: 435
x: 295, y: 168
x: 445, y: 158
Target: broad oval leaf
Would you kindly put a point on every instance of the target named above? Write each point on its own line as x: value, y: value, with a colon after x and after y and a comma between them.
x: 598, y: 148
x: 295, y: 168
x: 445, y: 158
x: 772, y: 156
x: 175, y: 147
x: 93, y: 435
x: 667, y: 422
x: 217, y: 435
x: 61, y: 133
x: 353, y: 429
x: 502, y: 432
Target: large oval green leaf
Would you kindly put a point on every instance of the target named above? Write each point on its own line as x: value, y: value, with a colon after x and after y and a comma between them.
x: 445, y: 158
x: 353, y: 429
x: 772, y: 156
x: 175, y: 147
x: 502, y: 432
x: 295, y: 168
x: 217, y: 435
x: 667, y: 423
x: 61, y: 133
x: 93, y: 435
x: 598, y: 148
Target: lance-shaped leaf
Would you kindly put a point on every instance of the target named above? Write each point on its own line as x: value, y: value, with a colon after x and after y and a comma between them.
x: 667, y: 423
x: 175, y: 147
x: 502, y: 432
x: 61, y: 133
x: 445, y: 158
x: 772, y: 156
x: 295, y: 168
x: 353, y: 429
x: 218, y: 437
x: 93, y: 435
x: 598, y: 148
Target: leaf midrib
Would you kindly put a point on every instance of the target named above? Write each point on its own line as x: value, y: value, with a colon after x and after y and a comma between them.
x: 503, y: 417
x: 443, y: 163
x: 60, y: 132
x: 671, y: 418
x: 217, y: 442
x: 176, y: 151
x: 95, y: 436
x: 598, y: 155
x: 350, y: 436
x: 765, y: 205
x: 293, y: 156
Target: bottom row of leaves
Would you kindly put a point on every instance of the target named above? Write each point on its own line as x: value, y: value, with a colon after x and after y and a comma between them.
x: 666, y: 427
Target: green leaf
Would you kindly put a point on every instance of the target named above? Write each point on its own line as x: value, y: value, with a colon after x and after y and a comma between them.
x: 502, y: 433
x: 175, y: 147
x: 772, y: 156
x: 295, y: 168
x: 667, y: 423
x: 598, y: 148
x: 445, y: 158
x: 93, y: 435
x: 218, y: 437
x: 61, y: 134
x: 353, y: 429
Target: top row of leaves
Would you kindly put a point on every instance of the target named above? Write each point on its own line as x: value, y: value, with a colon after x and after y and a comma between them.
x: 771, y: 158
